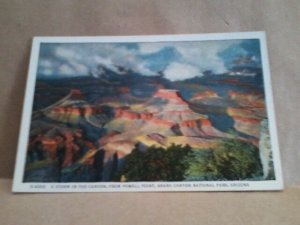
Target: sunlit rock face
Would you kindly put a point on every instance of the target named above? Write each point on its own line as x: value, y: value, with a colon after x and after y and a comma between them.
x: 164, y: 119
x: 248, y: 112
x: 204, y: 95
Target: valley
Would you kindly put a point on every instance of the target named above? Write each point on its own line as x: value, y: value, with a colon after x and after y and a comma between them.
x: 83, y: 128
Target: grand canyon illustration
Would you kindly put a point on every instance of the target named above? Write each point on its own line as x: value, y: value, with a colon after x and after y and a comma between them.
x: 181, y: 111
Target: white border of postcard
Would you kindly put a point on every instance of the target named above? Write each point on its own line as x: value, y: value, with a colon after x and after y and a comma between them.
x: 20, y: 186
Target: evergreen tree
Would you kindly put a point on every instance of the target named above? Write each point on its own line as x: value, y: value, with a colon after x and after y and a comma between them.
x: 237, y: 160
x: 114, y: 166
x: 232, y: 159
x: 156, y: 164
x: 98, y: 164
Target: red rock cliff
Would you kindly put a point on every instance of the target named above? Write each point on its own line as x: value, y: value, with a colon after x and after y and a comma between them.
x: 172, y: 95
x: 205, y: 94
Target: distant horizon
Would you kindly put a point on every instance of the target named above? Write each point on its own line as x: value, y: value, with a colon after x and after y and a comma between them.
x: 176, y: 61
x: 204, y: 74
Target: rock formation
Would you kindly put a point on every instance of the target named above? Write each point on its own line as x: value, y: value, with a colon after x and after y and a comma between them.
x: 248, y: 112
x: 204, y: 95
x: 166, y: 115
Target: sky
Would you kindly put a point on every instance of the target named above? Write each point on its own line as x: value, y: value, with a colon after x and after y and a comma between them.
x: 176, y: 60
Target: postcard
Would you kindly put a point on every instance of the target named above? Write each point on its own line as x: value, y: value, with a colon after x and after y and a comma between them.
x: 148, y: 113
